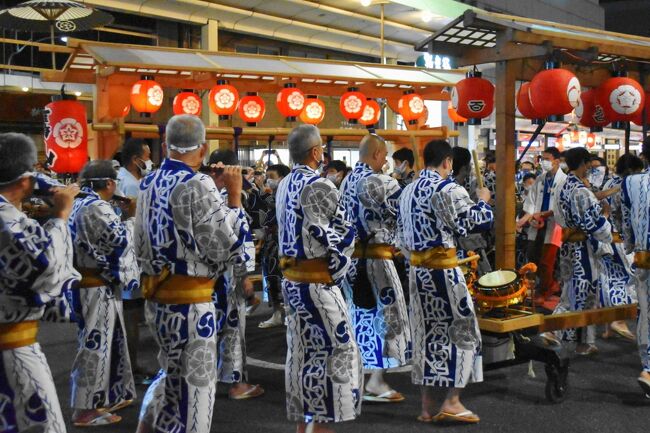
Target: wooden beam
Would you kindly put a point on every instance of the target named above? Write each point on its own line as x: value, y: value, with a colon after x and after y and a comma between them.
x: 49, y: 48
x: 505, y: 156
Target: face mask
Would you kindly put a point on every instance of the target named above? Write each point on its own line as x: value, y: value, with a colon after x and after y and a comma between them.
x: 546, y: 165
x: 148, y: 167
x: 334, y: 178
x: 564, y: 167
x: 400, y: 170
x: 597, y: 176
x: 272, y: 183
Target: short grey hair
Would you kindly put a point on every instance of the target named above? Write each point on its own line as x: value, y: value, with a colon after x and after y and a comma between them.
x: 17, y: 156
x: 184, y: 133
x: 95, y: 174
x: 301, y: 140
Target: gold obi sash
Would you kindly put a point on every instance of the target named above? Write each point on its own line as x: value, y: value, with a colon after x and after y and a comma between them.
x: 435, y: 258
x: 573, y: 235
x: 642, y: 259
x: 168, y: 288
x: 313, y: 271
x: 15, y: 335
x: 616, y: 238
x: 373, y: 251
x: 90, y: 278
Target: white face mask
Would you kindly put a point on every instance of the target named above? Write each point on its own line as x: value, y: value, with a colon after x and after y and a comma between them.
x: 597, y: 176
x: 148, y: 167
x: 272, y: 183
x: 546, y: 165
x: 564, y: 167
x: 334, y: 178
x: 400, y: 170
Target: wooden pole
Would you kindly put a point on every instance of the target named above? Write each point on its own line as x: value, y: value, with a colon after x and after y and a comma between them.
x: 505, y: 156
x: 477, y: 169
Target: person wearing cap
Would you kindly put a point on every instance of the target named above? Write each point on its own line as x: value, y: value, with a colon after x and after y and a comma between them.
x: 586, y: 238
x: 42, y: 267
x: 102, y: 381
x: 231, y: 291
x: 186, y: 237
x: 324, y: 373
x: 433, y: 212
x: 635, y: 202
x: 372, y: 287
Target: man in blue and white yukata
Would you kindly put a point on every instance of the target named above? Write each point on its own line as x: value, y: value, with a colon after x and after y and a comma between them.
x: 35, y: 267
x: 586, y: 239
x: 635, y: 204
x: 185, y: 237
x: 446, y: 339
x: 102, y: 381
x: 372, y: 286
x: 324, y: 373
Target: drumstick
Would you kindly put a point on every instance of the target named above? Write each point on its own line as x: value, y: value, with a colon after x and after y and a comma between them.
x: 477, y: 170
x: 468, y: 259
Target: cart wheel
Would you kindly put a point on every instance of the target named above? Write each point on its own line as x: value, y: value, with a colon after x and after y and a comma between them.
x: 556, y: 383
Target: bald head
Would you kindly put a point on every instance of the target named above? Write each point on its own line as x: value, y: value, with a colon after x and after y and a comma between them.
x: 373, y: 151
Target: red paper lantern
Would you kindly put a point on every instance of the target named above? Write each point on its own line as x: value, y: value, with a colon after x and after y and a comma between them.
x: 453, y: 115
x: 187, y: 103
x: 66, y: 134
x: 223, y: 99
x: 524, y: 106
x: 591, y: 140
x: 590, y: 112
x: 622, y: 99
x: 473, y: 98
x: 411, y: 106
x: 638, y: 119
x: 314, y: 110
x: 371, y: 113
x: 290, y: 101
x: 554, y: 93
x: 147, y: 96
x: 352, y: 104
x: 252, y: 109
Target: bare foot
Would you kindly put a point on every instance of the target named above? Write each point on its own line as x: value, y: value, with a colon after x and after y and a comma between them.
x: 241, y: 391
x: 82, y: 417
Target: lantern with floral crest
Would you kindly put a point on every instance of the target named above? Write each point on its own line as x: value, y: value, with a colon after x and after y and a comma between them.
x: 371, y: 113
x: 352, y: 104
x: 187, y: 103
x: 252, y: 108
x: 223, y: 99
x: 146, y: 96
x: 314, y: 111
x: 411, y: 106
x: 290, y: 101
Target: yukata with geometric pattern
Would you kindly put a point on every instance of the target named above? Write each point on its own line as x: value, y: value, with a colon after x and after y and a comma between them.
x: 635, y: 206
x: 617, y: 282
x: 382, y: 332
x: 324, y: 374
x: 434, y: 211
x: 182, y: 224
x: 230, y: 304
x: 35, y: 267
x: 581, y: 263
x: 101, y: 373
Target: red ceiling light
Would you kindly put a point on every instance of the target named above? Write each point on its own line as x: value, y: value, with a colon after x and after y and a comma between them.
x: 554, y: 92
x: 146, y: 96
x: 223, y: 99
x: 371, y: 113
x: 473, y: 98
x: 352, y: 104
x: 290, y: 102
x: 314, y: 111
x: 252, y: 109
x: 187, y: 103
x: 411, y: 106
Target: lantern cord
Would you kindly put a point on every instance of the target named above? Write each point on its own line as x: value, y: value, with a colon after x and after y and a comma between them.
x: 330, y: 138
x: 235, y: 139
x: 532, y: 139
x: 271, y: 139
x: 627, y: 137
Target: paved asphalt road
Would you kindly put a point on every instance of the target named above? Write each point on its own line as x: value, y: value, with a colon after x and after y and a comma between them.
x: 603, y: 396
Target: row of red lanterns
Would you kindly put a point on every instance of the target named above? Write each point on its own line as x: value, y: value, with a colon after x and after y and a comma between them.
x: 147, y: 97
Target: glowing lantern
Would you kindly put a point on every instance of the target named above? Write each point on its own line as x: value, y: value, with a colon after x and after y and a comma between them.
x: 314, y: 110
x: 371, y: 113
x: 146, y: 96
x: 525, y: 107
x: 453, y: 115
x: 575, y: 136
x: 411, y: 106
x: 554, y: 92
x: 66, y: 134
x: 187, y: 103
x: 223, y: 99
x: 252, y: 109
x: 590, y: 112
x: 591, y: 140
x: 290, y: 101
x: 622, y: 99
x: 352, y: 104
x: 473, y: 98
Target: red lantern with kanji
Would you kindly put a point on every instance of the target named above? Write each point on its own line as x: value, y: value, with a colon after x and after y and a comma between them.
x: 187, y: 103
x: 453, y: 115
x: 638, y: 119
x: 252, y: 109
x: 622, y: 99
x: 411, y: 106
x: 554, y: 92
x: 314, y: 111
x: 524, y: 106
x: 371, y: 113
x: 290, y: 101
x: 473, y: 98
x: 66, y: 134
x: 223, y: 99
x: 146, y: 96
x: 352, y: 104
x: 590, y: 112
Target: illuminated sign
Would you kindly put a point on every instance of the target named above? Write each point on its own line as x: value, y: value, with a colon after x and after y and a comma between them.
x: 433, y: 61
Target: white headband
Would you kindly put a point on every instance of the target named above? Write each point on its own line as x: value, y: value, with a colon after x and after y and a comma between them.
x: 183, y: 149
